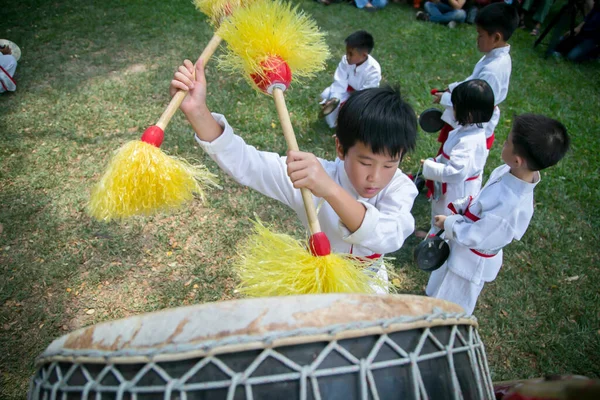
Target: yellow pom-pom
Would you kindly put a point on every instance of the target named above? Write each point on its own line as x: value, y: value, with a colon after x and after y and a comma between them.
x: 272, y: 264
x: 141, y: 179
x: 268, y: 29
x: 216, y: 10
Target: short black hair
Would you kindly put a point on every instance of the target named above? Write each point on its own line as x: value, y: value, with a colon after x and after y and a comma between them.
x: 361, y: 40
x: 540, y: 140
x: 473, y: 102
x: 498, y: 17
x: 379, y: 118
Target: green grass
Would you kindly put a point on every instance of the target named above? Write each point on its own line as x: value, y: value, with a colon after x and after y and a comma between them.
x: 94, y: 74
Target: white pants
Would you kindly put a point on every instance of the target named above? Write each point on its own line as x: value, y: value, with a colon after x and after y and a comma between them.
x: 382, y: 275
x: 446, y: 285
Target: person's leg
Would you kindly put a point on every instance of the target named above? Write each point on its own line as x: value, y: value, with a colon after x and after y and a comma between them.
x: 446, y: 14
x: 436, y: 11
x: 361, y: 3
x: 542, y: 11
x: 582, y: 51
x: 432, y: 9
x: 379, y: 3
x: 471, y: 15
x: 451, y: 287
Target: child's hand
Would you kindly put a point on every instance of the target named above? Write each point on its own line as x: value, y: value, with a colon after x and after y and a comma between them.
x: 437, y: 97
x: 439, y: 221
x: 305, y: 171
x: 184, y: 80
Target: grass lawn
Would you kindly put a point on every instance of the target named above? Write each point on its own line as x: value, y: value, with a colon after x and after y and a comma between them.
x: 93, y: 75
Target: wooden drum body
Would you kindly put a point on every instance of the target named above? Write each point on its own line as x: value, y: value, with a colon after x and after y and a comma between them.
x: 299, y: 347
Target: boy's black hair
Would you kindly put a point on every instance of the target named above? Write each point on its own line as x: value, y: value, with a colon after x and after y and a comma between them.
x: 540, y: 140
x: 380, y: 119
x: 361, y: 40
x: 473, y: 102
x: 498, y: 17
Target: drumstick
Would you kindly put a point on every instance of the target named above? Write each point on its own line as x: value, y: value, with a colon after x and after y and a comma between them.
x: 272, y: 264
x: 140, y: 178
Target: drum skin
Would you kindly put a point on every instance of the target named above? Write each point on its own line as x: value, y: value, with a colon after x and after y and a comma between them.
x: 298, y: 347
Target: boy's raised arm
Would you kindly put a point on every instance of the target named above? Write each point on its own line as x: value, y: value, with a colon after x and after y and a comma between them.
x: 194, y: 105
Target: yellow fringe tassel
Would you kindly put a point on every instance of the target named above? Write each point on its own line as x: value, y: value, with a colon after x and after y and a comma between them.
x: 270, y: 28
x: 216, y: 10
x: 141, y: 179
x: 272, y: 264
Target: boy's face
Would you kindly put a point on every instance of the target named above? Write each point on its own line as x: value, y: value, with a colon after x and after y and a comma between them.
x: 368, y: 172
x: 487, y: 42
x: 355, y: 56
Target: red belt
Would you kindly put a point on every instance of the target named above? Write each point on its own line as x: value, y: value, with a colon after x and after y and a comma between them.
x: 473, y: 218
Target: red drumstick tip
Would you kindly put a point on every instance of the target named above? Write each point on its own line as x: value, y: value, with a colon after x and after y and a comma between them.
x: 319, y: 244
x: 153, y: 135
x: 275, y: 73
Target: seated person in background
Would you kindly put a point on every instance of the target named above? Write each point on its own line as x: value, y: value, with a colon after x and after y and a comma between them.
x: 584, y: 44
x: 370, y: 5
x: 542, y: 9
x: 356, y: 71
x: 8, y: 66
x: 444, y: 12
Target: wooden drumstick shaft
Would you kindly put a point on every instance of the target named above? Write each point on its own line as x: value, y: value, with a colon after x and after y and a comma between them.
x: 290, y: 138
x: 176, y: 101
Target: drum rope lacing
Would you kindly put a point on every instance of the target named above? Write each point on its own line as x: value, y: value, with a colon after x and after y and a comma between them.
x: 307, y: 374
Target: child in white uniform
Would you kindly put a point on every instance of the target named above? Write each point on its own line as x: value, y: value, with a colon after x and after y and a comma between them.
x: 8, y: 66
x: 500, y: 213
x: 358, y: 70
x: 495, y: 25
x: 367, y: 199
x: 456, y: 172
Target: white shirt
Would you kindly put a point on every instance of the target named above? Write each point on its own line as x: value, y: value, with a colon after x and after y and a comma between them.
x: 387, y: 222
x: 8, y: 65
x: 461, y: 163
x: 504, y: 208
x: 494, y: 68
x: 366, y: 75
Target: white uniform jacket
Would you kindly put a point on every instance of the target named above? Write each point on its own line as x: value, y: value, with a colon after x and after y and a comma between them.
x: 367, y: 75
x: 457, y: 172
x: 494, y: 68
x: 387, y: 222
x: 484, y: 224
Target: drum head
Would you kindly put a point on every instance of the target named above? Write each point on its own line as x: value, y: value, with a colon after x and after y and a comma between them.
x: 294, y: 348
x: 16, y: 51
x: 430, y: 120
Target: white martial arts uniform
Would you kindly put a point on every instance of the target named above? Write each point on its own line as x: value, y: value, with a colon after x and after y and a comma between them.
x: 494, y: 68
x: 8, y: 66
x: 387, y: 222
x: 477, y: 232
x: 348, y: 78
x: 457, y: 172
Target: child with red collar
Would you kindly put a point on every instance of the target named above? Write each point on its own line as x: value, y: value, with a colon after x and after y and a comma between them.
x: 457, y: 171
x: 482, y: 225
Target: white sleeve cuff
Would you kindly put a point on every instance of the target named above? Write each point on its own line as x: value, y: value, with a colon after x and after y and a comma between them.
x: 433, y: 170
x: 446, y: 100
x: 449, y: 225
x: 220, y: 143
x: 453, y: 85
x: 366, y: 229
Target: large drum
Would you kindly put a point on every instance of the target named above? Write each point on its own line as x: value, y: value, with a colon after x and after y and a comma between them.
x: 299, y: 347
